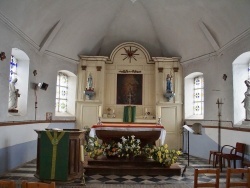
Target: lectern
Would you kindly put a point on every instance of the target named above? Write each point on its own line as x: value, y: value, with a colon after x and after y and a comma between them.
x: 60, y: 155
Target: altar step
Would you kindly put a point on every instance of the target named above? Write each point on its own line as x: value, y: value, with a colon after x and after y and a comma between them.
x: 122, y: 167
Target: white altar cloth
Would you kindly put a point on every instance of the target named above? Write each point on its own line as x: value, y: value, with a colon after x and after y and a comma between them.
x: 131, y: 129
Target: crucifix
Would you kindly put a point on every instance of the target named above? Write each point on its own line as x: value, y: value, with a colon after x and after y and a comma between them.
x: 129, y: 98
x: 219, y: 103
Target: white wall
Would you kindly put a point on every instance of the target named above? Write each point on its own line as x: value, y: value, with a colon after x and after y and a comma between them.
x: 209, y: 141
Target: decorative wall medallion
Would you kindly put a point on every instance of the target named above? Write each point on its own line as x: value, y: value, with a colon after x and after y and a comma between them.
x: 130, y: 54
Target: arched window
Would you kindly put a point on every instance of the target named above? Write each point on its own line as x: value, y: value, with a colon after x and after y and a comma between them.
x: 65, y: 94
x: 61, y: 92
x: 240, y: 74
x: 18, y: 90
x: 194, y: 96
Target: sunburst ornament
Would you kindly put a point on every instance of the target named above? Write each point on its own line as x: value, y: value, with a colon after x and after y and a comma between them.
x: 130, y: 54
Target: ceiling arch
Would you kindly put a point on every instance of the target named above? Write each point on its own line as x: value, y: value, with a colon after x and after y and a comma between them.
x: 96, y: 27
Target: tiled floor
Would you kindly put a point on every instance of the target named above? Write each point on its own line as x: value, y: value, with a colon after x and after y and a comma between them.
x: 27, y: 171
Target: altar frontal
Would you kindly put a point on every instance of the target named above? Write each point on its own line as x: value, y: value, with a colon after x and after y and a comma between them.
x: 147, y: 133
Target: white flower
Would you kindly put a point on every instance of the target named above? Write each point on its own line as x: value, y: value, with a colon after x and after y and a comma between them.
x: 119, y: 145
x: 124, y: 139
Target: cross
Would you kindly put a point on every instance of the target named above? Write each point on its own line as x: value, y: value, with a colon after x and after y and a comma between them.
x: 129, y: 98
x: 219, y: 103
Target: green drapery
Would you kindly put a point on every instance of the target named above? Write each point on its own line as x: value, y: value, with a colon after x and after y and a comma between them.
x: 54, y: 154
x: 129, y: 113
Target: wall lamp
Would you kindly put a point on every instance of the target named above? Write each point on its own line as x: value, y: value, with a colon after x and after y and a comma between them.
x: 42, y: 86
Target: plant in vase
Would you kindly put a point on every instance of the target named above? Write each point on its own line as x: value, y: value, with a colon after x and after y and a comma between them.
x: 93, y: 147
x: 129, y: 147
x: 164, y: 155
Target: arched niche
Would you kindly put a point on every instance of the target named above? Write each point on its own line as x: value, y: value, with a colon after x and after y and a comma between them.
x: 240, y: 70
x: 23, y: 80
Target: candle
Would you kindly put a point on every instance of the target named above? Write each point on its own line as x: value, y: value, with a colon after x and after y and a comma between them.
x: 159, y: 111
x: 146, y: 110
x: 82, y: 153
x: 100, y: 111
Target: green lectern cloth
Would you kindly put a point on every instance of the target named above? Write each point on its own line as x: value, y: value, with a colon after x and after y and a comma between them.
x: 54, y: 154
x: 129, y: 113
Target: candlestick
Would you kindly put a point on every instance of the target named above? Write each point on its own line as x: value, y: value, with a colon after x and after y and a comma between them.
x: 100, y: 111
x: 159, y: 112
x: 82, y: 153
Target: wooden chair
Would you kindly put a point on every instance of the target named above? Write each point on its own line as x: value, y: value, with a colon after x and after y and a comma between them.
x: 236, y: 154
x: 215, y: 171
x: 26, y: 184
x: 213, y: 154
x: 7, y: 184
x: 233, y: 183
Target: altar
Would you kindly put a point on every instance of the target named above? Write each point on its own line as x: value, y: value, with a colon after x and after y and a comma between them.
x: 146, y: 132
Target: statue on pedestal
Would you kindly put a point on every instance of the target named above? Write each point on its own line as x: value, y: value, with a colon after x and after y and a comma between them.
x: 247, y: 100
x: 13, y: 96
x: 90, y: 82
x: 169, y: 93
x: 169, y: 84
x: 89, y: 91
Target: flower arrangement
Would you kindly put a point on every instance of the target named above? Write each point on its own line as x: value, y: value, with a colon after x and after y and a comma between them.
x: 93, y: 147
x: 110, y: 149
x: 163, y: 155
x: 129, y: 147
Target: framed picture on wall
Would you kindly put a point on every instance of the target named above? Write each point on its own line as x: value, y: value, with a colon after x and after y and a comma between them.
x: 129, y: 89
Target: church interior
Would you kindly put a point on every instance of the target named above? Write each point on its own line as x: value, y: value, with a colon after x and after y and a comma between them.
x: 169, y: 72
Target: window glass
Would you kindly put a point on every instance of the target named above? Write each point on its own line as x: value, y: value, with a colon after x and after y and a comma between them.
x: 61, y: 92
x: 198, y: 96
x: 13, y: 68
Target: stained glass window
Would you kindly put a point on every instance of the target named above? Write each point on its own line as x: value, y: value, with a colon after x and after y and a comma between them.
x: 13, y: 68
x: 198, y: 96
x: 61, y: 92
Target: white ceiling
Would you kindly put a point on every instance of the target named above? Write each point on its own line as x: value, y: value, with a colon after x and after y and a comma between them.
x: 185, y: 28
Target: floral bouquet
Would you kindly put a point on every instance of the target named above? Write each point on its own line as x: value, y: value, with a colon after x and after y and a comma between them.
x: 129, y: 147
x: 110, y: 149
x: 165, y: 156
x: 93, y: 147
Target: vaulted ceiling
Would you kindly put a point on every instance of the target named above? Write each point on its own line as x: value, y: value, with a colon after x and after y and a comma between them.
x: 185, y: 28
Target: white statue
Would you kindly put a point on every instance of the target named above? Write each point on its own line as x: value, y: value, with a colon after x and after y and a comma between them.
x: 247, y: 100
x: 90, y: 82
x: 13, y: 96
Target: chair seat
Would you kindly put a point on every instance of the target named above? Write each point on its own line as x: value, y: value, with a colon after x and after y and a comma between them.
x: 214, y: 159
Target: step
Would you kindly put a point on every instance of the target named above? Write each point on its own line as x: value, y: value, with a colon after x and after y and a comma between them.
x: 137, y: 166
x: 132, y: 170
